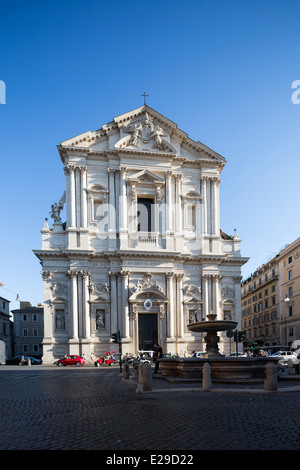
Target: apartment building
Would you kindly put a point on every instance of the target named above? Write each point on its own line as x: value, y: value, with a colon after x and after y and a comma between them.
x: 6, y: 326
x: 28, y: 329
x: 261, y: 306
x: 289, y: 273
x: 271, y: 301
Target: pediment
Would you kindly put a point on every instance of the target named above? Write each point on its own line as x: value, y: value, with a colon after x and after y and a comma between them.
x: 142, y: 130
x: 145, y: 176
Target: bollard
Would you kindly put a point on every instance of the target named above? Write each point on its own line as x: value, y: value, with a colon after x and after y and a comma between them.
x: 126, y: 370
x: 141, y: 373
x: 270, y: 377
x: 206, y: 376
x: 147, y: 377
x: 291, y: 367
x: 28, y: 361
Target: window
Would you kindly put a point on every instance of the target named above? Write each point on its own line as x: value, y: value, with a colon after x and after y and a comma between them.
x: 290, y: 294
x: 266, y: 331
x: 24, y: 317
x: 145, y: 214
x: 35, y: 332
x: 34, y: 317
x: 290, y: 259
x: 260, y: 306
x: 25, y: 332
x: 290, y: 311
x: 291, y: 331
x: 290, y: 274
x: 273, y: 299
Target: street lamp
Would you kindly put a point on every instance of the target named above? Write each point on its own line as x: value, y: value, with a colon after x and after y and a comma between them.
x: 17, y: 298
x: 285, y: 332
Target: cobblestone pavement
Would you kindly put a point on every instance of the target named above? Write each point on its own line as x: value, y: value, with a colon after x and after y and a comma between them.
x: 94, y: 409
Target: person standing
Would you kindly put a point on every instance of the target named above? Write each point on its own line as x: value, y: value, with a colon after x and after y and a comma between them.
x: 157, y: 356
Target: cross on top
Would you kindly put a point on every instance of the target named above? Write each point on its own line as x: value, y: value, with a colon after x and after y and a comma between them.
x: 144, y: 95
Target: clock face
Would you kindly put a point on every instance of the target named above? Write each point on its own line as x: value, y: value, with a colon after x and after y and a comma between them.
x: 148, y: 304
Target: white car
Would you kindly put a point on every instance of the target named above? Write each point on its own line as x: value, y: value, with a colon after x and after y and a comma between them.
x: 200, y: 354
x: 239, y: 354
x: 285, y: 356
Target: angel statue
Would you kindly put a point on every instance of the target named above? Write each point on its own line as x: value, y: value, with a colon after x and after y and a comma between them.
x: 157, y: 136
x: 135, y: 134
x: 56, y: 208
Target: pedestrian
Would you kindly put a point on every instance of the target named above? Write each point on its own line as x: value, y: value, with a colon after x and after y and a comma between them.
x: 157, y: 356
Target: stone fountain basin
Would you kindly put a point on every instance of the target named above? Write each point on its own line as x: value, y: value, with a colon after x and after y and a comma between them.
x: 222, y: 368
x: 212, y: 326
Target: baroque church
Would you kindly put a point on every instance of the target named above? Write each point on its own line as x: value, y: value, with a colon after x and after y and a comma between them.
x: 140, y: 249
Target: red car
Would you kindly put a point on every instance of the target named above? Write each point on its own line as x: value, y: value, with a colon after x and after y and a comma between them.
x: 71, y: 361
x: 106, y: 358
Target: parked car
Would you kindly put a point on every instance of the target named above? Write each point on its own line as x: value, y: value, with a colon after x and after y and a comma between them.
x: 72, y: 360
x: 34, y: 360
x: 15, y: 360
x: 200, y: 354
x: 285, y: 356
x: 239, y: 354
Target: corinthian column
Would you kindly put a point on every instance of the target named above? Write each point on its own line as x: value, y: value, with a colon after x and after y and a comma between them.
x: 113, y: 303
x: 169, y: 201
x: 180, y: 307
x: 72, y: 204
x: 86, y: 305
x: 170, y: 332
x: 204, y: 201
x: 216, y: 295
x: 206, y: 295
x: 125, y: 308
x: 74, y: 306
x: 123, y: 197
x: 83, y: 173
x: 112, y: 203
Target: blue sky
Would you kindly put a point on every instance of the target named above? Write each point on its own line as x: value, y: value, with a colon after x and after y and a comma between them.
x: 222, y: 70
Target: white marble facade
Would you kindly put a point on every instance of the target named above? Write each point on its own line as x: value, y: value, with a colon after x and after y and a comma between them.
x: 136, y: 233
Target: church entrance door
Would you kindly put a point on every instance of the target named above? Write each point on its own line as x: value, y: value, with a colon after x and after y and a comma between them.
x: 148, y: 331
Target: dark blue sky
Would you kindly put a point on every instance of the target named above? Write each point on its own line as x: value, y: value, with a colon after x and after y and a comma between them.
x: 222, y: 70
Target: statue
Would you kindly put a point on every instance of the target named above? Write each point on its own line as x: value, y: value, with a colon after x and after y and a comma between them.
x: 157, y: 135
x: 56, y: 209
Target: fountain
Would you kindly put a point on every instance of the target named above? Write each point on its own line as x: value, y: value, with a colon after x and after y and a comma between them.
x: 237, y: 369
x: 211, y: 326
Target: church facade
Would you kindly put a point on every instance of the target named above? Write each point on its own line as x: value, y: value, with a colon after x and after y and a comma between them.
x: 140, y: 250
